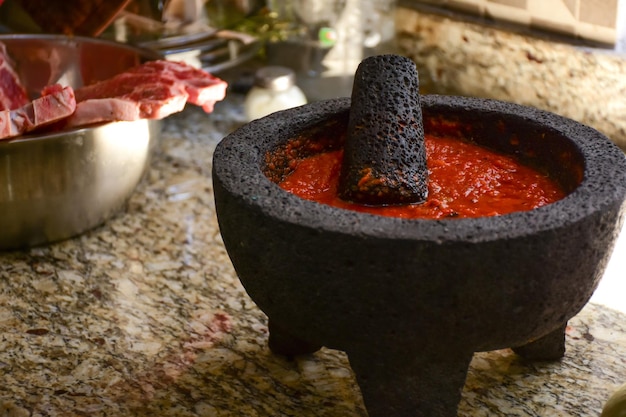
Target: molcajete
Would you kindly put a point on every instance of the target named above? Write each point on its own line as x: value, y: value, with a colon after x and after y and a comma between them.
x: 410, y: 301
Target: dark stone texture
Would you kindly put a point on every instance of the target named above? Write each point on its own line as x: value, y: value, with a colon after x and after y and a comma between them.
x: 546, y: 348
x: 411, y: 300
x: 385, y: 159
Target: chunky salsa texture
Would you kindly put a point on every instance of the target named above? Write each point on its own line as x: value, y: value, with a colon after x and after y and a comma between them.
x: 465, y: 180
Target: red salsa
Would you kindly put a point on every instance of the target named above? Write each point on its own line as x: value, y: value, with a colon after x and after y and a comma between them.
x: 465, y: 180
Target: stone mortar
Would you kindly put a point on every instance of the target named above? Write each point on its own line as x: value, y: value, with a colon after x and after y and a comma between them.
x: 410, y: 301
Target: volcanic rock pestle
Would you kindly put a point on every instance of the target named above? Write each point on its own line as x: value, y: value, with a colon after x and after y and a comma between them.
x: 384, y: 155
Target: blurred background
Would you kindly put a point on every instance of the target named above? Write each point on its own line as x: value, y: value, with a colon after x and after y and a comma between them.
x: 565, y: 56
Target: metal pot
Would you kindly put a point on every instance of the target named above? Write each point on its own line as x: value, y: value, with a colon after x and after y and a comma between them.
x: 54, y: 186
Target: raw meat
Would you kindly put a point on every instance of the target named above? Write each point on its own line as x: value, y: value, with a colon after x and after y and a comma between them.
x: 153, y: 90
x: 12, y: 93
x: 56, y: 103
x: 203, y: 88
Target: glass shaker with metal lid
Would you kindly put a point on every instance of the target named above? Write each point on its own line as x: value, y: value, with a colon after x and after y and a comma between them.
x: 274, y: 89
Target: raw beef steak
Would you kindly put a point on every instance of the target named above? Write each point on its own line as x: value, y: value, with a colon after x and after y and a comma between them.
x: 12, y: 92
x: 153, y: 90
x: 56, y: 103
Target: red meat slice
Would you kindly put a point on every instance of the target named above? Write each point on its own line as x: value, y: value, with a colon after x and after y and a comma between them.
x: 203, y: 88
x: 56, y: 103
x: 153, y: 90
x: 12, y: 93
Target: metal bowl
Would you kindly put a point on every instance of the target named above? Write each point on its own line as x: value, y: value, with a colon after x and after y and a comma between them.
x: 55, y: 186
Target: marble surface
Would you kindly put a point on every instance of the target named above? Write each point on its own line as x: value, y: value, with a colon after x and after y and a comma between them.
x: 145, y: 316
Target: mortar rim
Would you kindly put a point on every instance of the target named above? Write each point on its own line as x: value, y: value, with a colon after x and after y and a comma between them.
x: 238, y: 159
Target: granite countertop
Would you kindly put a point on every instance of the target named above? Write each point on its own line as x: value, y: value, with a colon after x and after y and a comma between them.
x: 144, y: 316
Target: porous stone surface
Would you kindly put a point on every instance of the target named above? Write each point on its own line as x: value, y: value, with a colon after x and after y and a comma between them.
x: 337, y: 236
x: 374, y: 286
x: 384, y: 155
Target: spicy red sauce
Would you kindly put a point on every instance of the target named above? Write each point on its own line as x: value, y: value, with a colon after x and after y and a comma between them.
x: 465, y: 180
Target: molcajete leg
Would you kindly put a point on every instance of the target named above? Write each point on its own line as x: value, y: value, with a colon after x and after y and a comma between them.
x: 416, y: 384
x: 282, y: 342
x: 548, y: 347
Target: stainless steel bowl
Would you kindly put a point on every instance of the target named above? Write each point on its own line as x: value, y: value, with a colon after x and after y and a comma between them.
x: 55, y: 186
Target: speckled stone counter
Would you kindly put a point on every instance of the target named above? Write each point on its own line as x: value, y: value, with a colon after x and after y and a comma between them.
x: 145, y: 316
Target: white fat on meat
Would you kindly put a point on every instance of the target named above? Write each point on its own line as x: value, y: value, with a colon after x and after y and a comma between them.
x: 56, y: 103
x: 153, y: 90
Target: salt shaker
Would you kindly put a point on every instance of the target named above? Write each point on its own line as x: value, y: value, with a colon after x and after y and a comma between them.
x: 274, y: 89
